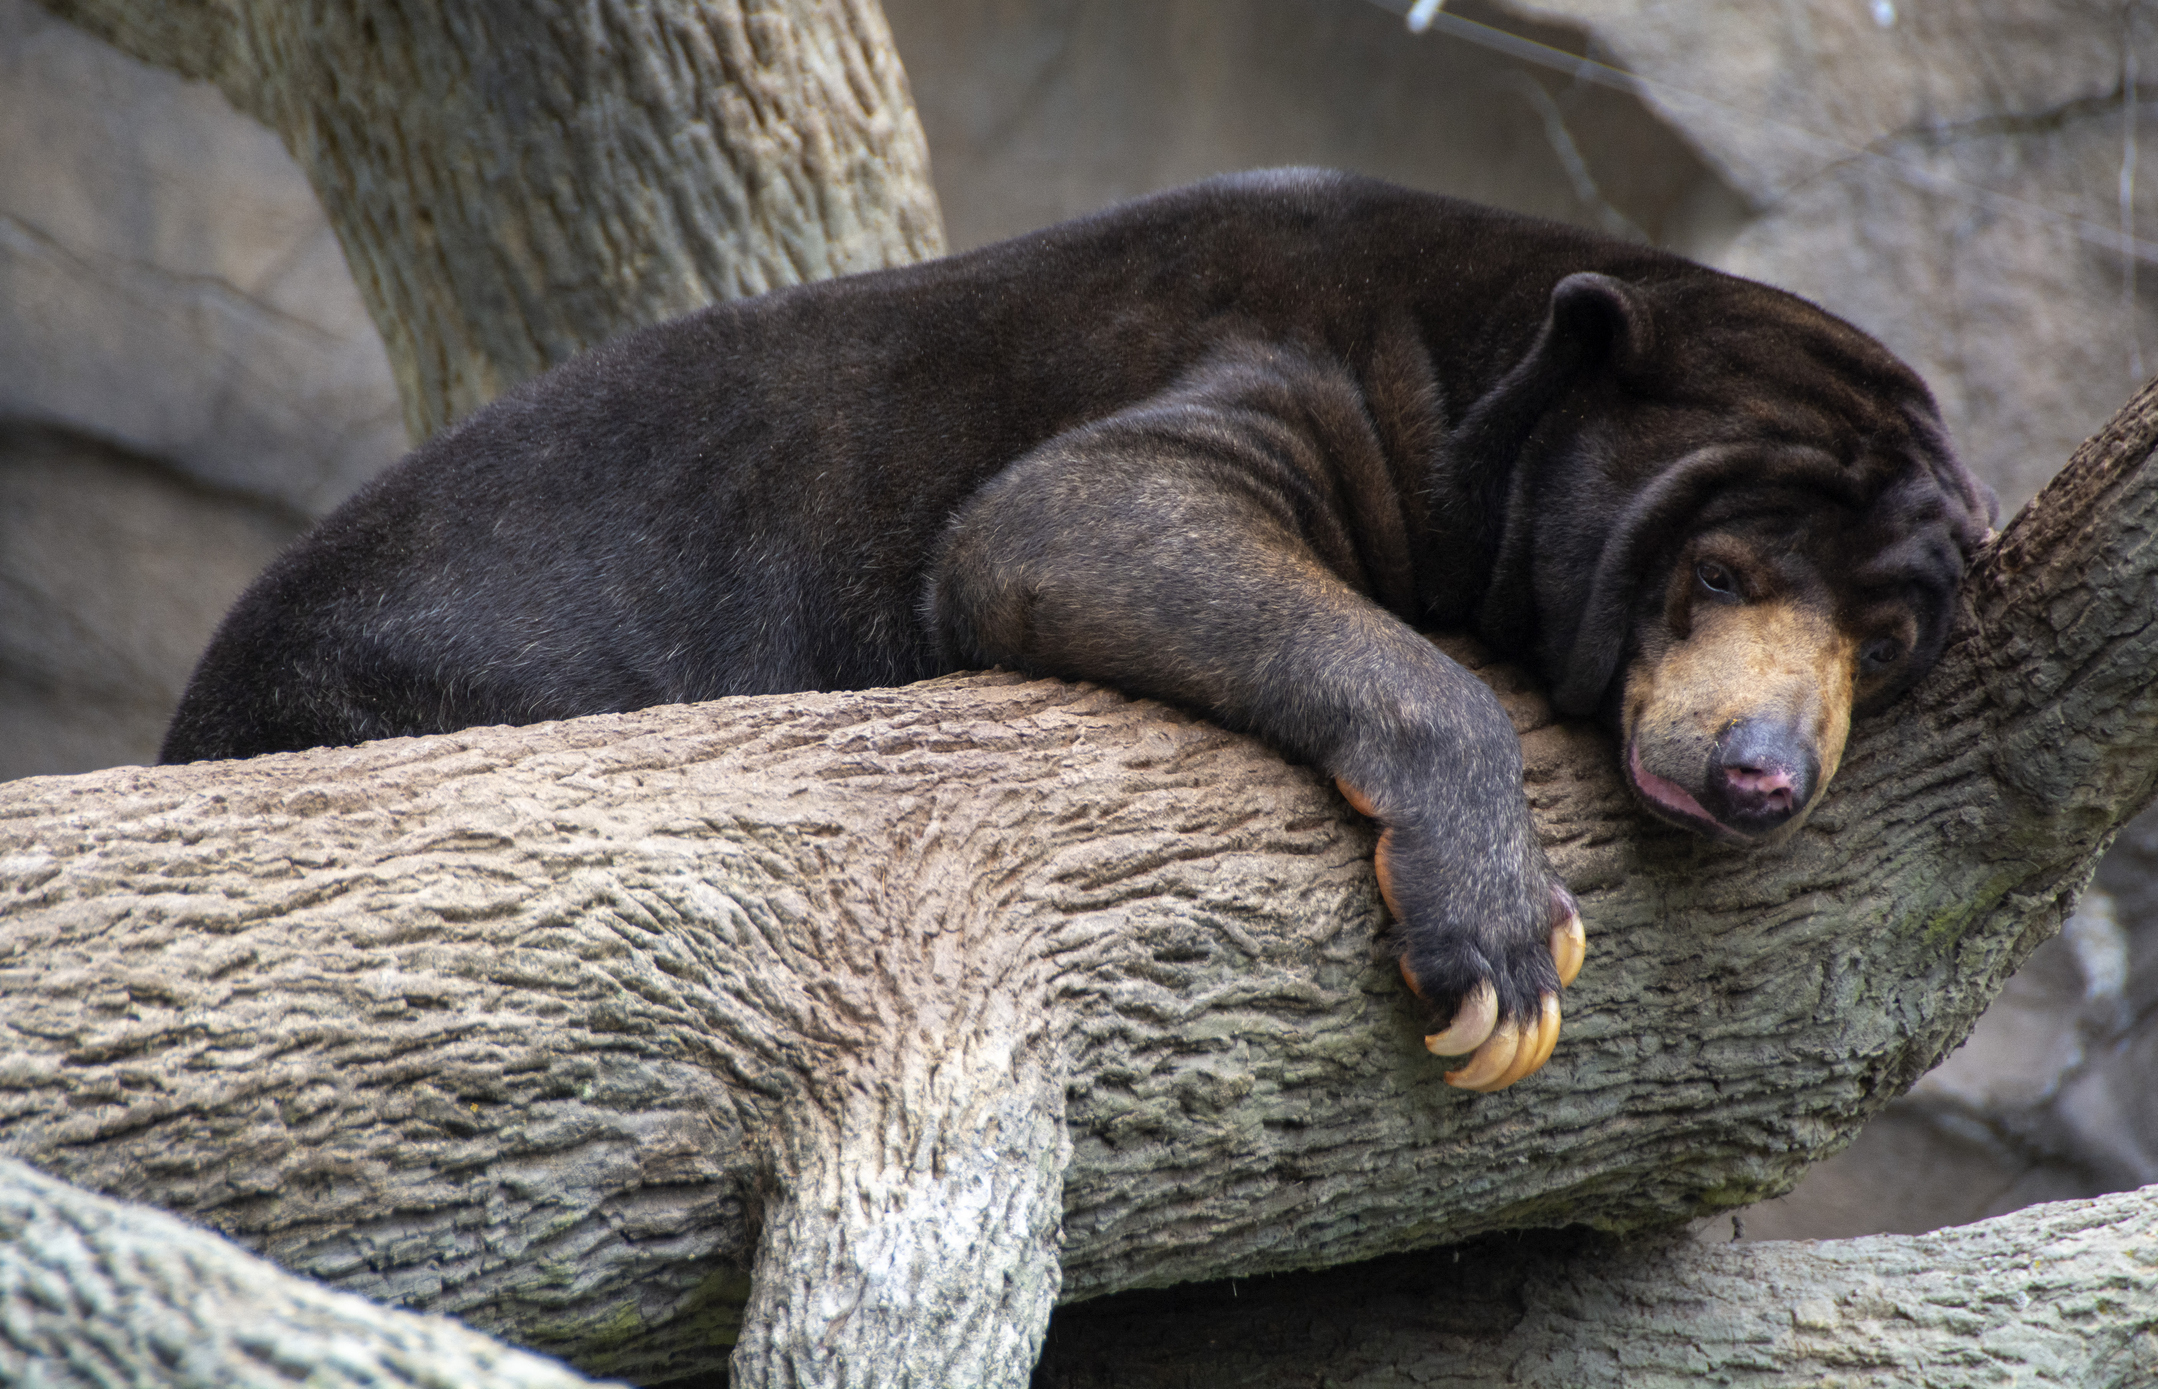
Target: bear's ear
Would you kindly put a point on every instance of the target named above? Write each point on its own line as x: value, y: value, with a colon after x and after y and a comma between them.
x: 1606, y: 319
x: 1593, y: 321
x: 1594, y: 325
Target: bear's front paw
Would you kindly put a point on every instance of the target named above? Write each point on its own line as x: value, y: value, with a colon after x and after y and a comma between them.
x: 1507, y: 1049
x: 1490, y: 963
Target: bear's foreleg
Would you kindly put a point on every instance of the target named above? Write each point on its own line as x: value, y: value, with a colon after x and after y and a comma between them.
x: 1182, y: 551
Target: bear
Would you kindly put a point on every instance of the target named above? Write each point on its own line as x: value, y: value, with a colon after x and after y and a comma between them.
x: 1234, y: 446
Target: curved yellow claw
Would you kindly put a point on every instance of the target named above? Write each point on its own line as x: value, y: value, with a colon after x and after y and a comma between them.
x: 1551, y: 1032
x: 1530, y: 1059
x: 1492, y: 1059
x: 1512, y: 1054
x: 1472, y: 1023
x: 1569, y: 947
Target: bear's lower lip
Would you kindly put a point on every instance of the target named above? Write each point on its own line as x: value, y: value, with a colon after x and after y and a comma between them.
x: 1674, y: 802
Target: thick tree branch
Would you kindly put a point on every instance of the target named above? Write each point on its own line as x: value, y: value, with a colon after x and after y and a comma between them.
x: 515, y: 182
x: 551, y: 1026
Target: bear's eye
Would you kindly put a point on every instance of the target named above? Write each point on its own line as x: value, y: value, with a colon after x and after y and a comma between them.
x: 1716, y: 579
x: 1879, y: 654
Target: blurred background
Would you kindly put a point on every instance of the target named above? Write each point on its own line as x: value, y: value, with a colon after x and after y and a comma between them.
x: 188, y: 378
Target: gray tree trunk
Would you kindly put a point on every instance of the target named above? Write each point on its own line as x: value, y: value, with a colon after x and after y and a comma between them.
x: 567, y: 1029
x: 514, y: 181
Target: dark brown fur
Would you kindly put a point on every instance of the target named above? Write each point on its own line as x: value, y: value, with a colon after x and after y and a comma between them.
x: 1231, y: 446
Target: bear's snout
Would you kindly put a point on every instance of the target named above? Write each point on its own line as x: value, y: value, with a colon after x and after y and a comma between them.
x: 1760, y: 773
x: 1733, y: 729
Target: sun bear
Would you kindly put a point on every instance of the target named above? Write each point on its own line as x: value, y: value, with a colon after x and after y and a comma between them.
x: 1233, y: 446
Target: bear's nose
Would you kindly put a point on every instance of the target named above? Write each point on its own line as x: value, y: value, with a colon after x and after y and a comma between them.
x: 1766, y: 790
x: 1761, y: 772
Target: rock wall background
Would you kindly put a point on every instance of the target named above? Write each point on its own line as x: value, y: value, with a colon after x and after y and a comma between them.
x: 187, y: 376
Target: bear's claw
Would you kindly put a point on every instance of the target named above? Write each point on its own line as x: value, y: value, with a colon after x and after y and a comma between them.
x: 1472, y: 1023
x: 1569, y: 942
x: 1512, y: 1052
x: 1492, y: 1060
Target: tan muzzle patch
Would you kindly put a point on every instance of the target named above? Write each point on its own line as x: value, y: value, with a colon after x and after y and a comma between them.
x: 1753, y: 705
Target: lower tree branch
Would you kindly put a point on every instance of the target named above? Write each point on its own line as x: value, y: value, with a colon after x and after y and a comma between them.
x: 95, y: 1292
x: 2063, y: 1295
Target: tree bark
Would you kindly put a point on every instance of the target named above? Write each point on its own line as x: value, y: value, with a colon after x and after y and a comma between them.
x: 95, y: 1292
x: 514, y: 181
x: 2061, y: 1295
x: 565, y: 1029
